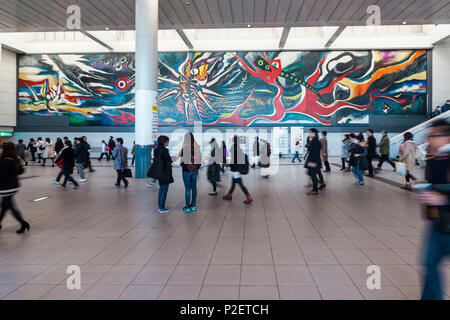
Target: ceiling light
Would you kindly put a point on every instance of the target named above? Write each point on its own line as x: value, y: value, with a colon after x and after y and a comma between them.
x: 249, y: 26
x: 188, y: 3
x: 107, y: 28
x: 404, y: 22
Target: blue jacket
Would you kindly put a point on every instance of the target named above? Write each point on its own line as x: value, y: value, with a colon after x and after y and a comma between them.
x: 120, y: 155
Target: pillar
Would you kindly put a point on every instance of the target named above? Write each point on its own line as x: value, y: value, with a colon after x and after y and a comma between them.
x: 146, y: 66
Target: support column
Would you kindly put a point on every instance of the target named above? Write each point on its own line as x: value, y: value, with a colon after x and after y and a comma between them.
x: 146, y: 65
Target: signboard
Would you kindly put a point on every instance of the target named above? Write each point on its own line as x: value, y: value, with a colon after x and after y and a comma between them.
x: 155, y: 123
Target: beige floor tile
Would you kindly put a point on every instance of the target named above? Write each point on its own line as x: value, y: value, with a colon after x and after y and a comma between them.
x: 120, y: 274
x: 325, y: 256
x: 141, y: 292
x: 340, y: 293
x: 253, y: 275
x: 223, y: 275
x: 259, y: 293
x: 330, y: 275
x: 60, y: 292
x: 219, y: 293
x: 29, y: 292
x: 293, y: 275
x: 384, y: 293
x: 154, y: 274
x: 299, y: 293
x: 103, y: 292
x: 188, y: 275
x: 173, y: 292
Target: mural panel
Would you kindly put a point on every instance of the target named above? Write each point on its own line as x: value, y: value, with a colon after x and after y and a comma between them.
x: 230, y: 88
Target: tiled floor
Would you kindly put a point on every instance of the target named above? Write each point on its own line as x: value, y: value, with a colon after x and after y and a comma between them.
x: 284, y: 246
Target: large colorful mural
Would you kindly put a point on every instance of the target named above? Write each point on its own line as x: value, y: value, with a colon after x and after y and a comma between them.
x: 230, y: 88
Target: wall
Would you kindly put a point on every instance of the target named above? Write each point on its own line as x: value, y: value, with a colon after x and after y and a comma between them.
x: 8, y: 89
x: 441, y: 73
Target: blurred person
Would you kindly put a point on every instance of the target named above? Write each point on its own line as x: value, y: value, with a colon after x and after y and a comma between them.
x: 358, y: 157
x: 371, y: 151
x: 66, y: 159
x: 297, y: 152
x: 384, y: 146
x: 39, y: 149
x: 133, y: 153
x: 191, y: 158
x: 59, y: 145
x: 436, y: 199
x: 32, y: 148
x: 324, y: 151
x: 214, y: 166
x: 80, y: 157
x: 224, y: 153
x: 104, y: 151
x: 10, y: 169
x: 88, y: 163
x: 49, y: 152
x: 408, y: 151
x: 21, y: 147
x: 314, y: 162
x: 344, y: 151
x: 111, y: 145
x: 120, y: 156
x: 256, y: 151
x: 162, y: 162
x: 239, y: 166
x: 264, y: 159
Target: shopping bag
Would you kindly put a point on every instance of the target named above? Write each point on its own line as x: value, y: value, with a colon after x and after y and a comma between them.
x: 400, y: 168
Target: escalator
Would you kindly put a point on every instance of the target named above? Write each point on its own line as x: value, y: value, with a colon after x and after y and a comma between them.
x: 420, y: 135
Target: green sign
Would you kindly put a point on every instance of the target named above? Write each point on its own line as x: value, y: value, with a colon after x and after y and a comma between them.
x: 6, y: 134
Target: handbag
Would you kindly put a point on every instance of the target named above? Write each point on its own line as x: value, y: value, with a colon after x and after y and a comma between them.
x: 127, y: 173
x: 400, y: 168
x: 156, y: 170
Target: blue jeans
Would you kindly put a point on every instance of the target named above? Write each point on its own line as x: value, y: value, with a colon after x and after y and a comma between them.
x: 190, y: 184
x: 162, y: 196
x: 296, y: 156
x: 357, y: 172
x: 437, y: 247
x: 80, y: 170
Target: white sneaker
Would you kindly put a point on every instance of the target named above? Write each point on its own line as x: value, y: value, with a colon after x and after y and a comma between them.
x: 150, y: 185
x: 83, y: 180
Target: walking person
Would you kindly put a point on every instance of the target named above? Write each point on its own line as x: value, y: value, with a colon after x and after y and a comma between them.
x: 371, y: 151
x: 436, y: 199
x: 191, y: 160
x: 358, y: 157
x: 39, y: 149
x: 120, y: 156
x: 59, y: 145
x: 224, y: 153
x: 384, y: 146
x: 21, y: 147
x: 324, y: 151
x: 133, y: 153
x: 10, y: 169
x: 297, y: 152
x: 80, y: 157
x: 214, y: 166
x: 314, y: 162
x: 408, y: 151
x: 111, y: 145
x: 32, y: 148
x: 49, y: 152
x: 88, y: 163
x: 162, y: 171
x: 344, y: 151
x: 239, y: 166
x: 66, y: 160
x: 256, y: 151
x: 264, y: 159
x: 105, y: 151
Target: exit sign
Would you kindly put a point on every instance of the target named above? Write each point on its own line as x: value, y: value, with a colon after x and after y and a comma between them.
x: 6, y: 134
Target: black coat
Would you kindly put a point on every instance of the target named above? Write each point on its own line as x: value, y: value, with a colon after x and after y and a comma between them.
x: 371, y: 147
x: 213, y: 168
x: 68, y: 160
x: 59, y: 145
x: 9, y: 172
x: 81, y: 153
x: 162, y: 154
x: 314, y: 147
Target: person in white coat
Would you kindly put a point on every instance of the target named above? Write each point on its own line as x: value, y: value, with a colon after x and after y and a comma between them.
x: 49, y: 152
x: 408, y: 151
x: 39, y: 149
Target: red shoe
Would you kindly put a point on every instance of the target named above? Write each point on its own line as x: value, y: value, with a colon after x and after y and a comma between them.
x: 249, y: 199
x: 228, y: 196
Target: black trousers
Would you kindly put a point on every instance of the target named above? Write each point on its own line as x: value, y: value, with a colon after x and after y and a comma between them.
x: 106, y: 154
x: 370, y: 167
x: 60, y: 174
x: 327, y: 166
x: 409, y: 176
x: 343, y: 163
x: 120, y: 177
x: 214, y: 185
x: 239, y: 182
x: 385, y: 157
x: 7, y: 204
x: 68, y: 177
x: 314, y: 174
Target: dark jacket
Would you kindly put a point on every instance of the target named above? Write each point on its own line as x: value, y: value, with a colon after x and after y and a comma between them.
x: 9, y: 172
x: 371, y: 147
x: 81, y: 153
x: 111, y: 144
x: 356, y: 148
x: 68, y: 160
x: 20, y: 147
x: 59, y: 145
x: 437, y: 172
x: 214, y: 168
x: 162, y: 153
x: 314, y: 148
x: 32, y: 147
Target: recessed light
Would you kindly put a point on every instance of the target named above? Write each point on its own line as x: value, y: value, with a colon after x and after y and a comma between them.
x: 404, y: 22
x: 249, y: 26
x: 106, y: 28
x: 188, y: 3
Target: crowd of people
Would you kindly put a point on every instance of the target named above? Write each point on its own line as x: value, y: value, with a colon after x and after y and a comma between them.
x: 358, y: 153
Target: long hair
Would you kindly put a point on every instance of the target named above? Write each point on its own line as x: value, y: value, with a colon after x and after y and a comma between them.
x: 10, y: 152
x: 190, y: 152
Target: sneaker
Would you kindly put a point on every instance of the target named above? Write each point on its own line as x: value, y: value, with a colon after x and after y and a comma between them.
x: 83, y: 180
x: 165, y: 210
x: 186, y: 210
x: 150, y: 185
x: 193, y: 208
x: 55, y: 182
x: 213, y: 194
x: 361, y: 183
x: 69, y: 182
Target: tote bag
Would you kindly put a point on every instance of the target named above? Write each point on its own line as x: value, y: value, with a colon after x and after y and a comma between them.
x: 400, y: 168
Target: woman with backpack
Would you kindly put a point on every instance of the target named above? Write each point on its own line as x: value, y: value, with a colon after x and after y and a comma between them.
x: 10, y: 169
x: 214, y: 166
x: 191, y: 161
x: 239, y: 166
